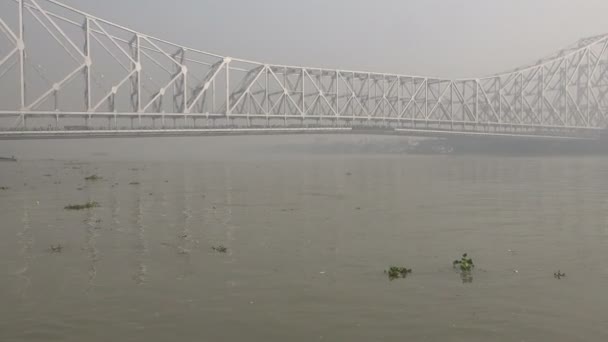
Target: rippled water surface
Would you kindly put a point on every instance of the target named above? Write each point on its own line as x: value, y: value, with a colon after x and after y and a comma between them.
x: 308, y: 239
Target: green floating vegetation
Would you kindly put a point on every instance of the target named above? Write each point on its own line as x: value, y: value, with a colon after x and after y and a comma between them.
x: 559, y: 275
x: 4, y: 188
x: 220, y: 249
x: 87, y: 205
x: 134, y: 183
x: 93, y: 178
x: 465, y: 263
x: 395, y: 272
x: 56, y: 249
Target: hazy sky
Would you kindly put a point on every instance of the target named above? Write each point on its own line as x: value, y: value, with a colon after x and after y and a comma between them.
x: 428, y: 37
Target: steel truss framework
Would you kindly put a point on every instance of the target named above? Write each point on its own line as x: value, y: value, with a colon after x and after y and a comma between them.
x: 60, y: 66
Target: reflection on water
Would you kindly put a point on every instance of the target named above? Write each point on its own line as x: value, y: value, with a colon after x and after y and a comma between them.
x: 92, y: 227
x: 466, y: 277
x: 308, y: 242
x: 115, y: 207
x: 26, y: 242
x: 226, y: 210
x: 141, y: 245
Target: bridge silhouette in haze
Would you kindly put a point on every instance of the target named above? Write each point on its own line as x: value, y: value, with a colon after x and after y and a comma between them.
x: 64, y: 72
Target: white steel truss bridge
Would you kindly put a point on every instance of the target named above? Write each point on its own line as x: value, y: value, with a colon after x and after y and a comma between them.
x: 64, y: 71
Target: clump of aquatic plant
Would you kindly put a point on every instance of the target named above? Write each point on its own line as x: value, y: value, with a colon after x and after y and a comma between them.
x: 88, y: 205
x: 220, y: 249
x: 4, y: 188
x: 465, y: 263
x: 182, y: 251
x: 56, y: 249
x: 134, y: 183
x: 559, y: 275
x: 395, y: 272
x: 93, y: 178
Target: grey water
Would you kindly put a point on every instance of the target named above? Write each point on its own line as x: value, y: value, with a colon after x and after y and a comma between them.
x: 309, y: 236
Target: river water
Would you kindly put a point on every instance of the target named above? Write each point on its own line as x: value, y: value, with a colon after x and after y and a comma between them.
x: 308, y: 236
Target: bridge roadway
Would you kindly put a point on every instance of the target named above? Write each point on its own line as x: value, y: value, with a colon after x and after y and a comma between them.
x: 234, y: 131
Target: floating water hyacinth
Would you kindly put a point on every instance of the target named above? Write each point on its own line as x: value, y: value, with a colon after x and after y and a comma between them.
x: 93, y: 178
x: 220, y: 249
x: 465, y: 263
x: 87, y: 205
x: 395, y: 272
x: 56, y: 249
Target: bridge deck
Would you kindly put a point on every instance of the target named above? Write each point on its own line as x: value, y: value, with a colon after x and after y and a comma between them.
x: 99, y: 133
